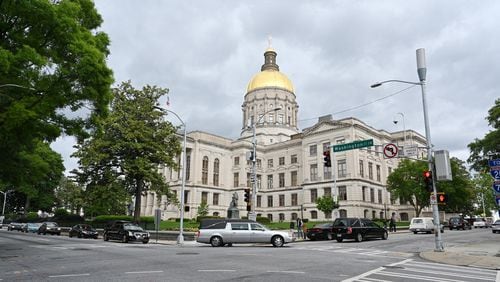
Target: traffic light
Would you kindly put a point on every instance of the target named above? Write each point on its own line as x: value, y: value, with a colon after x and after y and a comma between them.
x: 247, y: 195
x: 428, y: 180
x: 326, y: 159
x: 442, y: 199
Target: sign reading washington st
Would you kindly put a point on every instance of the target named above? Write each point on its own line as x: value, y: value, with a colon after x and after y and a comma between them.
x: 353, y: 145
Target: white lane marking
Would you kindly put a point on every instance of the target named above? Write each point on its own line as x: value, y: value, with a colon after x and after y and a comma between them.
x: 70, y: 275
x: 285, y: 271
x: 216, y: 270
x: 401, y: 262
x: 356, y: 278
x: 143, y: 272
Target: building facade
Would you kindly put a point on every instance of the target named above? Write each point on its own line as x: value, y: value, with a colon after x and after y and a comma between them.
x: 290, y: 168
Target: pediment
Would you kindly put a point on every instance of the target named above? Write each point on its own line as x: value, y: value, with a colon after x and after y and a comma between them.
x: 325, y: 126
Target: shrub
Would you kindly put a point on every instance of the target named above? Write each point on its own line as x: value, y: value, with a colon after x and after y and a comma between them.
x: 60, y: 213
x: 263, y: 220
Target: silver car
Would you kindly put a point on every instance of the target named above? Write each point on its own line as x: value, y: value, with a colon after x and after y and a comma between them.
x: 496, y: 226
x: 226, y: 232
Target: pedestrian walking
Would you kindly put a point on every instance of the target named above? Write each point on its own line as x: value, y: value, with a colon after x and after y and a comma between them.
x: 299, y: 228
x: 392, y: 224
x: 304, y: 230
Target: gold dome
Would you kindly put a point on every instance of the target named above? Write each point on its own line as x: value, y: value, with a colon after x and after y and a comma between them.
x: 270, y: 78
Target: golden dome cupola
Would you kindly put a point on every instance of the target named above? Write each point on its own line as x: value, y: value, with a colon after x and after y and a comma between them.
x: 270, y: 75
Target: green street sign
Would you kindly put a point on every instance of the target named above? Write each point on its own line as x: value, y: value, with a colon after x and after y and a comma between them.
x: 353, y: 145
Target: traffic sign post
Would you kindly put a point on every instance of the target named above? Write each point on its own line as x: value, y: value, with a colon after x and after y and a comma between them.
x: 495, y: 168
x: 496, y: 186
x: 410, y: 150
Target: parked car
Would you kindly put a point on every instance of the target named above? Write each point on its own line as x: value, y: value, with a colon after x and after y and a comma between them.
x: 50, y: 228
x: 320, y: 232
x: 479, y: 223
x: 495, y: 227
x: 358, y: 229
x: 458, y: 223
x: 31, y: 227
x: 226, y: 232
x: 423, y: 224
x: 125, y: 231
x: 15, y: 226
x: 83, y: 231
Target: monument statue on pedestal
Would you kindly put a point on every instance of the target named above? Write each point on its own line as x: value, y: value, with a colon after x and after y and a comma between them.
x: 233, y: 211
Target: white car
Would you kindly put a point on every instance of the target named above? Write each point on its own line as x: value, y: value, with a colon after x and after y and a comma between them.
x: 423, y: 224
x: 226, y: 232
x: 496, y: 226
x: 479, y: 223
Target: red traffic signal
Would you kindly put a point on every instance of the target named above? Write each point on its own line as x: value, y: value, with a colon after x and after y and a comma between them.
x: 326, y: 159
x: 428, y: 180
x: 442, y: 199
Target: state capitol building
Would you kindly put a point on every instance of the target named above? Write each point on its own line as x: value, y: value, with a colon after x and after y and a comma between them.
x: 290, y: 169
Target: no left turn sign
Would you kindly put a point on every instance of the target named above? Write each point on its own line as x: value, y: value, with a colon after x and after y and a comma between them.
x: 390, y: 150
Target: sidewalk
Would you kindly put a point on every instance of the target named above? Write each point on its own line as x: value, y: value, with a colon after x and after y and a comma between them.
x: 482, y: 255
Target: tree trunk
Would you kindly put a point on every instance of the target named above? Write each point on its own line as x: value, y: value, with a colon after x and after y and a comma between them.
x: 138, y: 198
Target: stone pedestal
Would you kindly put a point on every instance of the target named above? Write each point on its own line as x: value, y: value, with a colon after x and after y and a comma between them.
x: 233, y: 213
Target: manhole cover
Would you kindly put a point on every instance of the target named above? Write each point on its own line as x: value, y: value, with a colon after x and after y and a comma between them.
x: 188, y: 253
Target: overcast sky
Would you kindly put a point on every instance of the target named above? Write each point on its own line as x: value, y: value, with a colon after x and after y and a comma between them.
x: 206, y: 52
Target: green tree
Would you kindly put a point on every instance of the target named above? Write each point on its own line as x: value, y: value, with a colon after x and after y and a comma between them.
x: 484, y: 194
x: 489, y: 147
x: 134, y: 142
x: 326, y: 204
x: 406, y: 183
x: 52, y: 66
x: 203, y: 209
x: 460, y: 190
x: 69, y: 195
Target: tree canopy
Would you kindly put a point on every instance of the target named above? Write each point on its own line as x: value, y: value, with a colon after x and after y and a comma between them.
x: 53, y: 80
x: 489, y: 146
x: 134, y: 142
x: 326, y: 204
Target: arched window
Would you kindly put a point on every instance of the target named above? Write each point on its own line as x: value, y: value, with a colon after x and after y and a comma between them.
x: 294, y: 216
x: 270, y: 217
x: 403, y: 216
x: 314, y: 215
x: 374, y: 214
x: 365, y: 214
x: 216, y: 172
x: 282, y: 217
x: 342, y: 213
x: 381, y: 216
x: 216, y: 214
x: 204, y: 171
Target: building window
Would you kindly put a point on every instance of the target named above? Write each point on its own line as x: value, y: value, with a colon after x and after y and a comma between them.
x: 361, y: 169
x: 271, y: 118
x: 258, y: 163
x: 326, y: 147
x: 365, y: 213
x: 380, y: 196
x: 327, y: 192
x: 280, y: 119
x: 313, y: 150
x: 259, y: 201
x: 342, y: 213
x: 236, y: 160
x: 294, y: 199
x: 270, y: 201
x: 364, y: 193
x: 343, y: 193
x: 270, y: 181
x: 216, y: 214
x: 293, y: 176
x: 340, y: 141
x: 204, y: 171
x: 204, y: 197
x: 294, y: 216
x: 372, y: 195
x: 293, y: 159
x: 282, y: 180
x: 314, y: 195
x: 314, y: 172
x: 188, y: 167
x: 270, y: 217
x: 314, y: 215
x: 378, y: 172
x: 327, y: 172
x: 282, y: 217
x: 328, y: 215
x: 236, y: 179
x: 216, y: 172
x: 186, y: 196
x: 270, y: 163
x: 374, y: 214
x: 282, y: 200
x: 215, y: 200
x: 342, y: 168
x: 261, y: 119
x: 370, y: 171
x: 281, y: 161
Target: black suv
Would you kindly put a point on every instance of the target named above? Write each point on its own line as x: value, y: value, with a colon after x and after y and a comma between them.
x: 458, y: 223
x: 358, y: 229
x: 125, y: 231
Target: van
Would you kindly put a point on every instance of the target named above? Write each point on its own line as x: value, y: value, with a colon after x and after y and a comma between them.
x: 423, y: 224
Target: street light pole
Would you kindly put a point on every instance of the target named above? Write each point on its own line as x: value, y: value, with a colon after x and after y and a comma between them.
x: 180, y: 238
x: 422, y: 71
x: 252, y: 215
x: 5, y: 200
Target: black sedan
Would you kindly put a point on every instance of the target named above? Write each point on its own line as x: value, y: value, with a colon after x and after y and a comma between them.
x: 320, y: 232
x: 358, y: 229
x: 83, y: 231
x: 15, y: 226
x: 125, y: 231
x: 50, y: 228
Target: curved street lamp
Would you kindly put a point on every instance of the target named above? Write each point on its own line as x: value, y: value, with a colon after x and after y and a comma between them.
x: 422, y: 71
x: 252, y: 215
x: 180, y: 238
